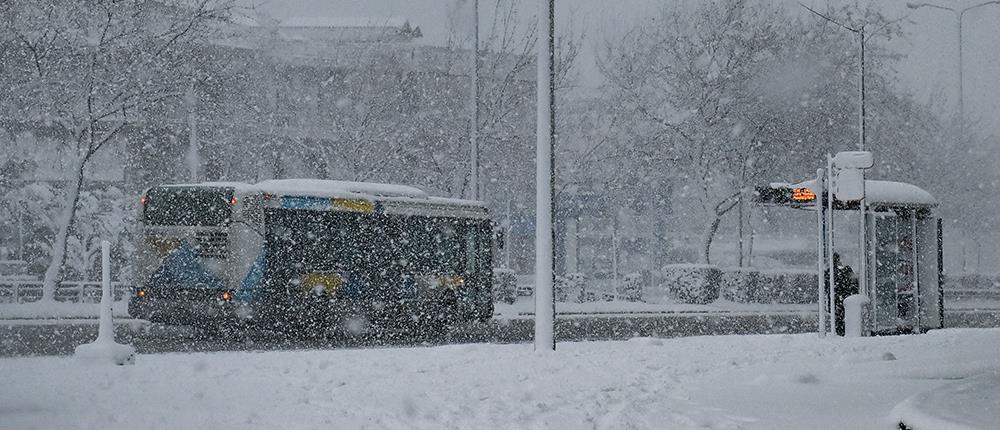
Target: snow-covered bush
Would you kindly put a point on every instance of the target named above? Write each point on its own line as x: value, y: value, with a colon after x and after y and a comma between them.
x: 504, y: 285
x: 559, y: 289
x: 630, y: 289
x: 577, y: 288
x: 741, y: 285
x: 969, y: 281
x: 571, y: 288
x: 800, y: 287
x: 688, y: 283
x: 748, y: 285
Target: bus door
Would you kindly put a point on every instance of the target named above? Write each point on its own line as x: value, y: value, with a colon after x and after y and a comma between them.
x: 895, y: 296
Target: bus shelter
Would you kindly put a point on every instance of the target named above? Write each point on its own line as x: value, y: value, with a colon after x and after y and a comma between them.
x: 904, y: 258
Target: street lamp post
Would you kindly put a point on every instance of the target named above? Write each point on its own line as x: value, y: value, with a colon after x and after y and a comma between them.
x: 863, y: 223
x: 545, y: 180
x: 959, y: 16
x: 474, y: 130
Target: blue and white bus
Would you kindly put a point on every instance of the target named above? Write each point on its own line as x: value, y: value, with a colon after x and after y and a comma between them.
x: 310, y: 253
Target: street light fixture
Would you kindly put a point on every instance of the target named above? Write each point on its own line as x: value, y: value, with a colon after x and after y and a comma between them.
x: 959, y: 15
x: 863, y: 222
x: 545, y: 180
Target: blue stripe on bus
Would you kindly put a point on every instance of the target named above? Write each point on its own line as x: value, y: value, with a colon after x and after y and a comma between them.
x: 293, y: 202
x: 182, y: 268
x: 252, y: 281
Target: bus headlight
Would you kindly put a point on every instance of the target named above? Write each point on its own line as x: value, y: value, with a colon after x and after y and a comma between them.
x: 323, y: 283
x: 433, y: 282
x: 452, y: 282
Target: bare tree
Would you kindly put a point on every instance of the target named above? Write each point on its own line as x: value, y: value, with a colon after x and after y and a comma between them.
x: 735, y: 91
x: 89, y: 69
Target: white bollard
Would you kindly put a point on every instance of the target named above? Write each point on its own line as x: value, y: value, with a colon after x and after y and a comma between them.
x: 853, y: 313
x: 105, y: 348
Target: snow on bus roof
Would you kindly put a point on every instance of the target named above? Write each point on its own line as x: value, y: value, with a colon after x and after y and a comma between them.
x: 366, y: 190
x: 327, y: 188
x: 337, y: 189
x: 236, y: 186
x: 888, y: 193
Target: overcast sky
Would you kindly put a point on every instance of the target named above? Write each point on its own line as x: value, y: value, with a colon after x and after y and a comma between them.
x: 930, y: 66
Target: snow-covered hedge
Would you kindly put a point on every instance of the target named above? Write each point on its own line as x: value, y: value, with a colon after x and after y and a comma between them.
x: 686, y: 283
x: 971, y: 281
x: 749, y: 285
x: 630, y: 289
x: 572, y: 288
x: 741, y: 285
x: 504, y: 285
x: 800, y: 287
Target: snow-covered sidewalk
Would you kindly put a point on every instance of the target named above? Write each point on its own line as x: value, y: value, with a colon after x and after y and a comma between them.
x: 57, y: 310
x: 753, y: 382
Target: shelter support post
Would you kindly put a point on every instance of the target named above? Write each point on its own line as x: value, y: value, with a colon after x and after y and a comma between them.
x: 831, y: 300
x: 821, y: 257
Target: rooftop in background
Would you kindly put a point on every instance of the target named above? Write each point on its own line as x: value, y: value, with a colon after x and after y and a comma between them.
x: 344, y: 22
x: 335, y: 29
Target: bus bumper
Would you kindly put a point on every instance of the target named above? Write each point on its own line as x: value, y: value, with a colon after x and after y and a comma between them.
x: 198, y: 309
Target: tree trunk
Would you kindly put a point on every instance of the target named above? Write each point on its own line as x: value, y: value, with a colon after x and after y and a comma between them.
x: 712, y: 227
x: 740, y: 244
x: 53, y: 274
x: 708, y: 237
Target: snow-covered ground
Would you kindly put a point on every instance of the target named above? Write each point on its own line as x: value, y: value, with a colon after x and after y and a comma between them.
x: 525, y: 307
x: 722, y: 382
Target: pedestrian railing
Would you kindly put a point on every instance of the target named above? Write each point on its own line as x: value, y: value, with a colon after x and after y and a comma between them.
x: 19, y: 291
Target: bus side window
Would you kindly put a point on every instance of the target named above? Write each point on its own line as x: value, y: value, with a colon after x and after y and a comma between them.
x: 471, y: 249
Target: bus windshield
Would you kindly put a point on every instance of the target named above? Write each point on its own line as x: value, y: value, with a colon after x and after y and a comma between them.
x: 188, y: 206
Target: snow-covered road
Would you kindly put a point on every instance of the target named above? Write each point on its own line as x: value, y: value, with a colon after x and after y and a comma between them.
x: 753, y: 382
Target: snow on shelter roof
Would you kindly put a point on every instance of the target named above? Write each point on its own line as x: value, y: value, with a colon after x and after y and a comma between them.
x: 888, y: 193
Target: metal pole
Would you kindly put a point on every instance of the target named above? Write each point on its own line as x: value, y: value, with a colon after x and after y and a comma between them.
x: 961, y: 81
x: 831, y: 268
x: 474, y: 133
x: 20, y: 232
x: 915, y: 270
x: 861, y: 89
x: 544, y: 177
x: 862, y: 227
x: 193, y: 157
x: 820, y: 247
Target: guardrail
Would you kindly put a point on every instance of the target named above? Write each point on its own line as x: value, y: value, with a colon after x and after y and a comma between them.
x: 16, y: 291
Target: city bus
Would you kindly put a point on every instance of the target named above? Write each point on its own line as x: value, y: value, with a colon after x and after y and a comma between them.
x: 311, y: 255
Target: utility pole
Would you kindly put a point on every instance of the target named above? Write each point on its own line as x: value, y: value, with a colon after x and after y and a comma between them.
x: 545, y: 180
x: 474, y: 131
x: 193, y: 159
